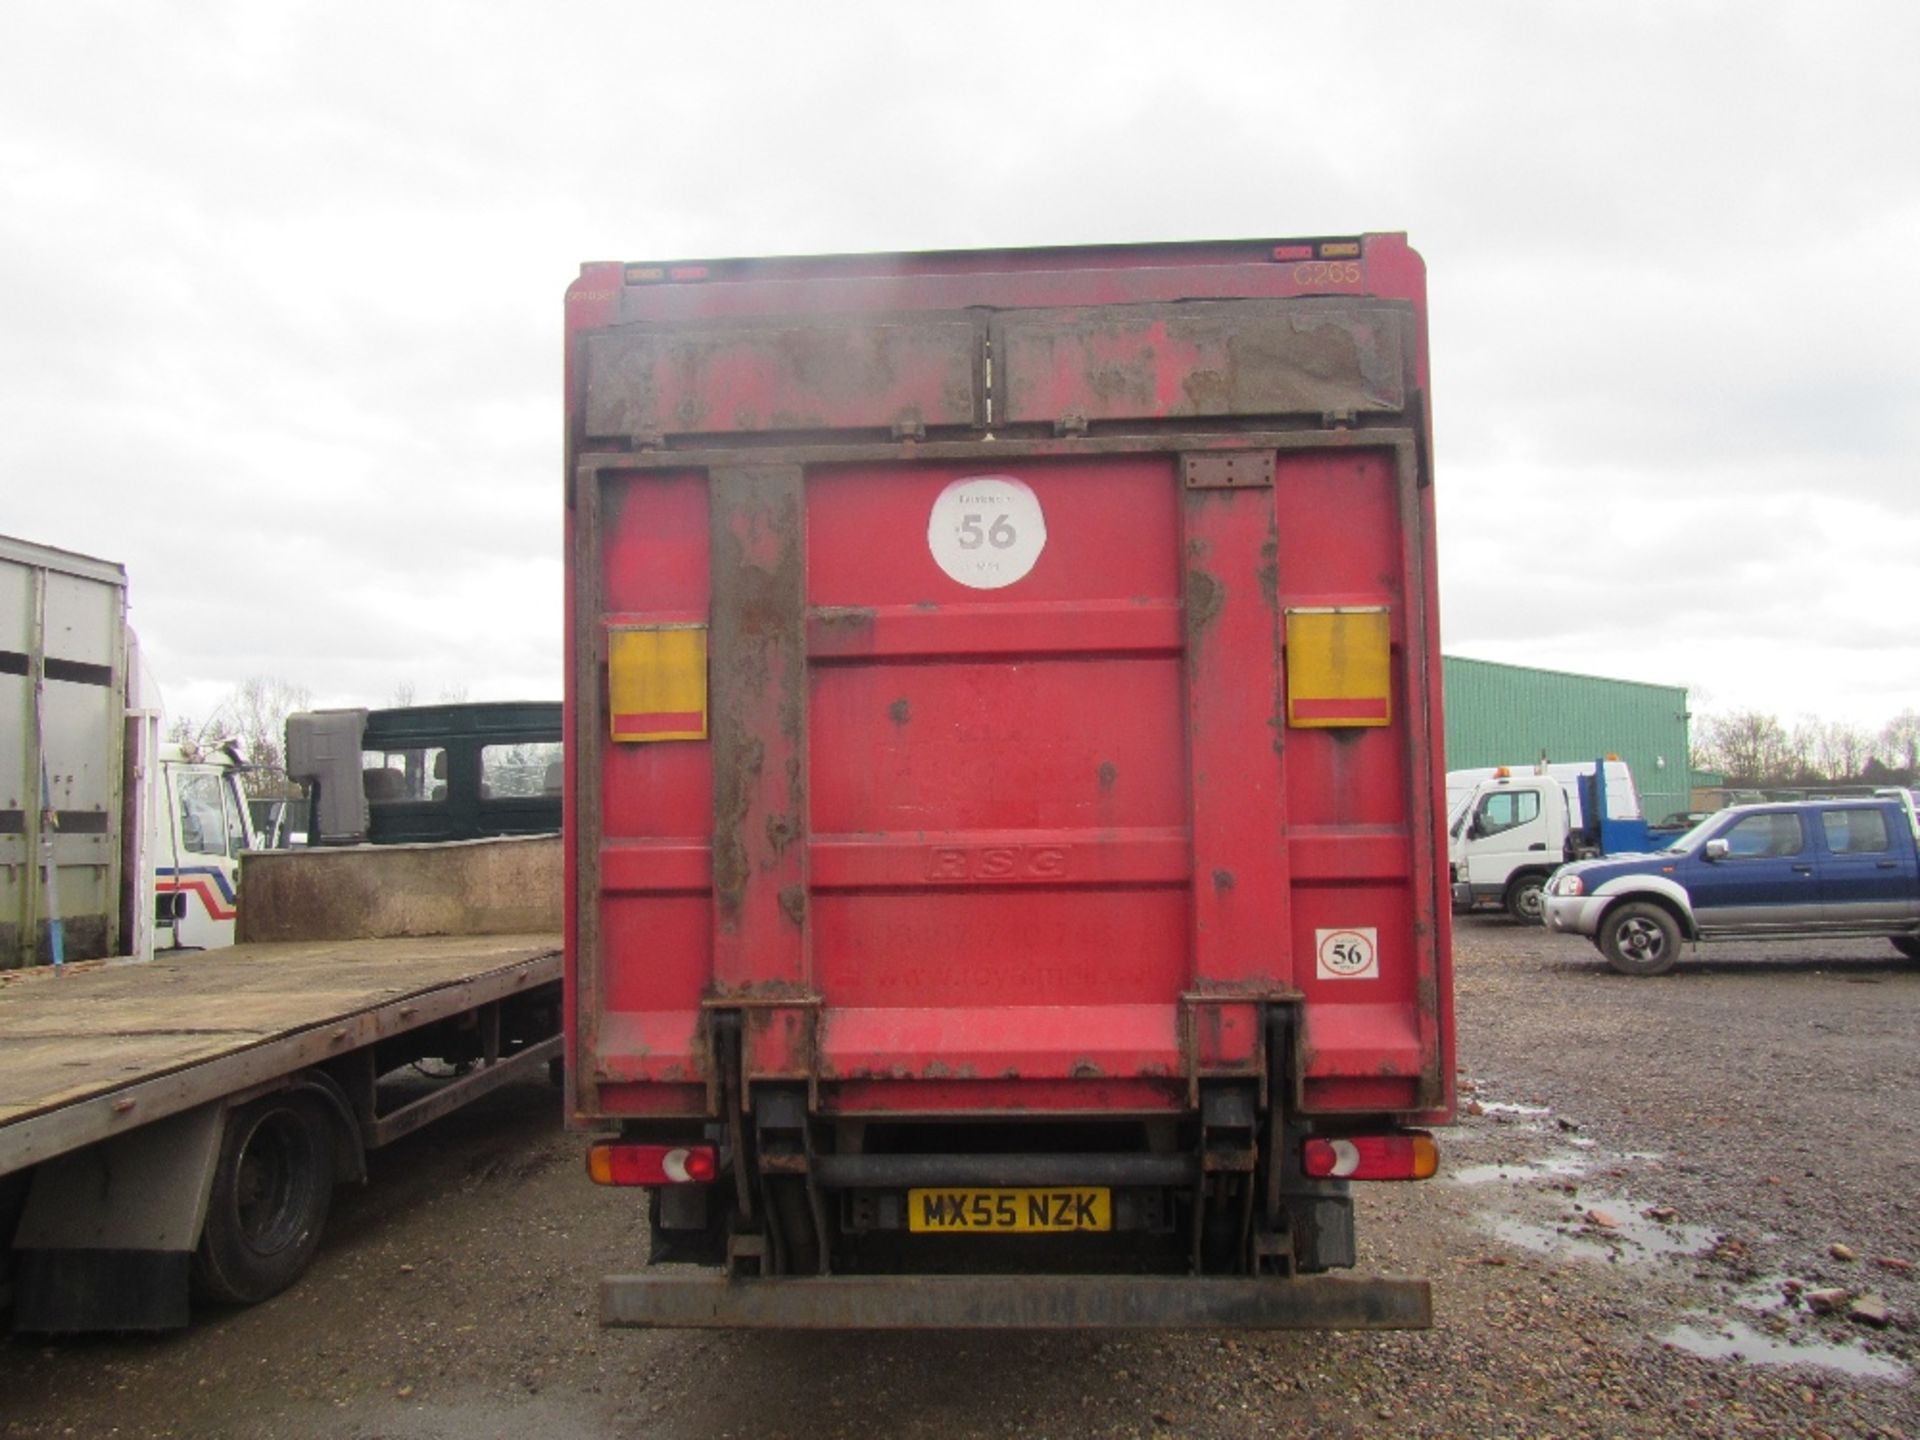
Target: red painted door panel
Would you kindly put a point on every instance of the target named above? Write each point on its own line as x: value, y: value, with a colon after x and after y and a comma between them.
x: 999, y: 807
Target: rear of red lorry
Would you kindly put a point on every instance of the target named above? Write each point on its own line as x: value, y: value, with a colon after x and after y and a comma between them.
x: 1004, y: 829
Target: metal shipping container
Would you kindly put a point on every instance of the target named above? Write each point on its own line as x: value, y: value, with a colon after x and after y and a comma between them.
x: 1005, y: 753
x: 63, y: 655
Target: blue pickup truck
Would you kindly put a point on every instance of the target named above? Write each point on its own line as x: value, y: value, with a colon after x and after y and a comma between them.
x: 1752, y: 872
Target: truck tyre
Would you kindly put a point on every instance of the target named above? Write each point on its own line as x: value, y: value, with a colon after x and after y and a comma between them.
x: 272, y: 1188
x: 1908, y: 945
x: 1526, y: 898
x: 1640, y: 939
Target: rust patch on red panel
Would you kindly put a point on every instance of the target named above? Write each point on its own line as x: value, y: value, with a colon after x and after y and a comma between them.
x: 779, y: 1040
x: 757, y: 681
x: 1269, y: 572
x: 1426, y: 996
x: 782, y: 831
x: 733, y: 784
x: 902, y: 372
x: 1244, y: 357
x: 900, y: 712
x: 758, y: 993
x: 1205, y: 597
x: 1255, y: 985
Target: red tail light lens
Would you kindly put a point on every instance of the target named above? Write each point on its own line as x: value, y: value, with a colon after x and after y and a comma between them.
x: 1409, y: 1155
x: 652, y: 1164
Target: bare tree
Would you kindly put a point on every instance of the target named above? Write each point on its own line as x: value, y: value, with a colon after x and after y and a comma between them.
x: 1806, y: 753
x: 1755, y: 749
x: 185, y: 730
x: 1751, y: 748
x: 1848, y: 748
x: 1900, y: 743
x: 255, y: 714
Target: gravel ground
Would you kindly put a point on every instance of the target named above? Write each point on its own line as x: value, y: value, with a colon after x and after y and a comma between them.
x: 1652, y: 1178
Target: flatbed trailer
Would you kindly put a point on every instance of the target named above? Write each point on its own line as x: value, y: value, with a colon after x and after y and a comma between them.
x: 175, y: 1127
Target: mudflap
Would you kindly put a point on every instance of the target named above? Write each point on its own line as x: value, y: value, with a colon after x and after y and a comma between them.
x: 704, y: 1301
x: 106, y: 1236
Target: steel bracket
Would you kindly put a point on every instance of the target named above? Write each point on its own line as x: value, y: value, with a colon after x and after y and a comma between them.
x: 1228, y: 470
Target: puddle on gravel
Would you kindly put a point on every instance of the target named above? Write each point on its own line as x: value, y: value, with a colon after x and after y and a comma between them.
x: 1553, y: 1167
x: 1736, y: 1340
x: 1630, y: 1234
x: 1769, y: 1295
x: 1631, y: 1238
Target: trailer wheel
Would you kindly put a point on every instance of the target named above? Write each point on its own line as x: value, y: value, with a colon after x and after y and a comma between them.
x: 1907, y: 945
x: 1640, y: 939
x: 272, y: 1188
x: 1527, y: 898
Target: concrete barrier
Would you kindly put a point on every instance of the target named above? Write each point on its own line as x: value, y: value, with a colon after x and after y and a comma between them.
x: 509, y: 885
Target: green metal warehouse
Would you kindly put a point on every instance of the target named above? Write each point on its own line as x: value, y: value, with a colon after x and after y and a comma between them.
x: 1512, y: 715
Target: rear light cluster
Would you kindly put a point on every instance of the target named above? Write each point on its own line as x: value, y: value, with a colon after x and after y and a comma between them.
x: 652, y: 1164
x: 1409, y: 1155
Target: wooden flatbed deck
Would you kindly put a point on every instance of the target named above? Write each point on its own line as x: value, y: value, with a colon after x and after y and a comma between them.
x: 96, y: 1049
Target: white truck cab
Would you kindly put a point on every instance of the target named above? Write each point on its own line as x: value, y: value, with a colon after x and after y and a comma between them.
x: 200, y: 826
x: 1513, y: 828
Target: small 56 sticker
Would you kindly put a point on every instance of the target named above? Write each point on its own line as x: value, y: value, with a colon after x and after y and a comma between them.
x: 1347, y: 954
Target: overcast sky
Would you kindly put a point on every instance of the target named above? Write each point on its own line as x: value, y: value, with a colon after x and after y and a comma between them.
x: 280, y: 290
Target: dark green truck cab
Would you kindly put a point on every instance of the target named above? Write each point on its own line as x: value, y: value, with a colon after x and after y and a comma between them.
x: 426, y: 773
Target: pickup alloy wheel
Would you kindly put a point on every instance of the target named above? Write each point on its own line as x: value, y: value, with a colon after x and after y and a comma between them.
x: 1640, y: 939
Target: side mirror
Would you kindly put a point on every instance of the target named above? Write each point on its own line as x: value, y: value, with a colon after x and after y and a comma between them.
x: 1717, y: 849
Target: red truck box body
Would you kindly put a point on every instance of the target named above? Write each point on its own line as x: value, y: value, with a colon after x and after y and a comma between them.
x: 1004, y: 686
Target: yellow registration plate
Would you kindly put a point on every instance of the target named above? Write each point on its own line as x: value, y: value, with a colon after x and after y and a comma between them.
x: 1019, y: 1212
